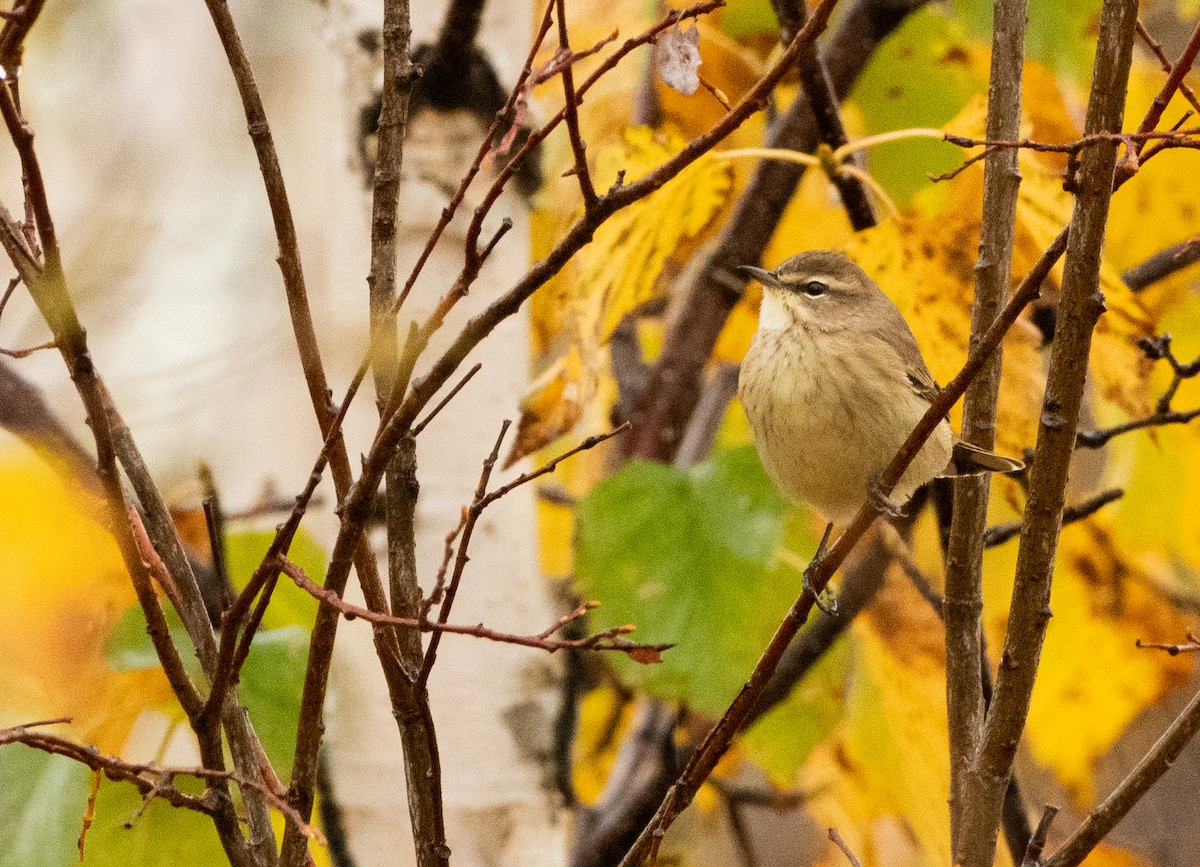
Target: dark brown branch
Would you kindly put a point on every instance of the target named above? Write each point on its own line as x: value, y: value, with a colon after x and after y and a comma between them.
x: 1033, y: 853
x: 571, y: 105
x: 823, y: 103
x: 25, y: 414
x: 1094, y: 439
x: 1163, y: 264
x: 17, y: 23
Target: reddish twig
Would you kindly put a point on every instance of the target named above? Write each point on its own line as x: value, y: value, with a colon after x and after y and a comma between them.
x: 481, y: 501
x: 1192, y: 645
x: 28, y: 351
x: 1157, y: 49
x: 571, y: 106
x: 608, y: 640
x: 150, y: 779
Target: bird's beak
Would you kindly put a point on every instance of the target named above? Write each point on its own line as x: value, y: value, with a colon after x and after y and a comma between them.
x: 762, y: 275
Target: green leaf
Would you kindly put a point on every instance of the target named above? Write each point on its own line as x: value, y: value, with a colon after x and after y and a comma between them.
x: 43, y: 801
x: 743, y: 19
x: 129, y: 648
x: 689, y: 557
x: 290, y: 606
x: 921, y: 76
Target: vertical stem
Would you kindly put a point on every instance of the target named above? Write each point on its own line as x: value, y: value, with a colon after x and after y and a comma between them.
x: 963, y: 604
x: 1080, y: 308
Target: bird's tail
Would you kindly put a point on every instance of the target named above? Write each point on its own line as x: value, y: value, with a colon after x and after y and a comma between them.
x: 967, y: 459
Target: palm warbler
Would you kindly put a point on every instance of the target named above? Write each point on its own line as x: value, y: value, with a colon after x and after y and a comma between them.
x: 834, y: 383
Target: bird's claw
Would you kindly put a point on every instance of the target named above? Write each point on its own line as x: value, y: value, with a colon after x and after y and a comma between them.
x: 806, y: 584
x: 880, y: 501
x: 829, y: 608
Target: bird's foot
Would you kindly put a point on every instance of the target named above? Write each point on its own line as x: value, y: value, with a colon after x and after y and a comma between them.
x: 806, y: 585
x: 880, y: 501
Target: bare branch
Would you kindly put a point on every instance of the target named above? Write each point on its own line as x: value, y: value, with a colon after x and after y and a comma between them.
x: 571, y: 105
x: 986, y: 779
x: 965, y: 702
x: 1192, y: 646
x: 1163, y: 264
x: 1037, y: 842
x: 608, y: 640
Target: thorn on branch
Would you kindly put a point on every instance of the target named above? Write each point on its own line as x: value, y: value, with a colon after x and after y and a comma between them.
x: 841, y: 844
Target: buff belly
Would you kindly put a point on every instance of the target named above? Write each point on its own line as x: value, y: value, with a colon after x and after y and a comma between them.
x: 825, y: 430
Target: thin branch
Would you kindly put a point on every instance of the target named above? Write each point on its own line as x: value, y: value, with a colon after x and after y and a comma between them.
x: 8, y: 292
x: 1094, y: 439
x: 152, y: 780
x: 1163, y: 264
x: 460, y: 562
x: 1192, y: 646
x: 571, y: 105
x: 28, y: 351
x: 1001, y: 533
x: 420, y: 426
x: 1157, y: 49
x: 1037, y: 843
x: 1157, y: 761
x: 608, y: 640
x: 837, y: 840
x: 965, y: 702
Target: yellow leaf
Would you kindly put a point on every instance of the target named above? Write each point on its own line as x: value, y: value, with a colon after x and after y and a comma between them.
x: 554, y: 405
x: 65, y: 588
x: 623, y: 266
x: 604, y: 717
x: 1092, y: 682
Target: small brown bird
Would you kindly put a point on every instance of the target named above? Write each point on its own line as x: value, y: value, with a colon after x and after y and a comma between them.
x: 834, y: 383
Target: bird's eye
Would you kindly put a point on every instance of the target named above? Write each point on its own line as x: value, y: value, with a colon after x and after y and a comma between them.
x: 813, y: 288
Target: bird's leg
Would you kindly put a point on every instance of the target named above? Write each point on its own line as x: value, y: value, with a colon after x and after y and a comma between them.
x: 806, y: 583
x: 879, y: 500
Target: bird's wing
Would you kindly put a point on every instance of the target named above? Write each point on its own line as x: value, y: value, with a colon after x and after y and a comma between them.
x: 905, y: 345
